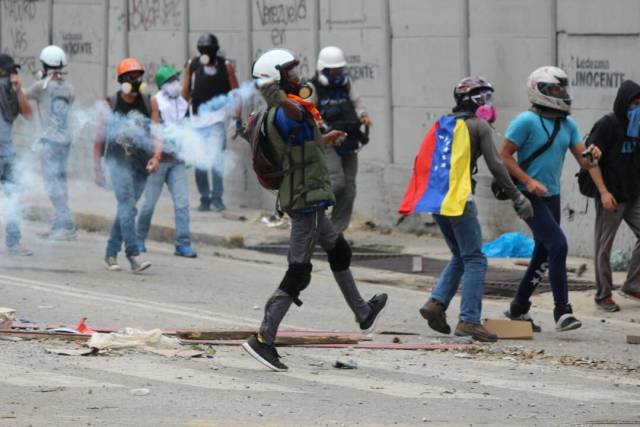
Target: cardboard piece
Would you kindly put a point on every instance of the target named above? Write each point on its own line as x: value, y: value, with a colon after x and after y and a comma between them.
x: 633, y: 339
x: 510, y: 329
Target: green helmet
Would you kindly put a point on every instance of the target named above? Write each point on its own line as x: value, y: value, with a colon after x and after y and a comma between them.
x: 165, y: 73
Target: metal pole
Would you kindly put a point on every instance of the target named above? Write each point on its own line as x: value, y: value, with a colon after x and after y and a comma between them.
x: 249, y: 36
x: 386, y: 65
x: 50, y: 36
x: 315, y: 28
x: 127, y: 29
x: 187, y: 29
x: 553, y: 22
x: 465, y: 65
x: 1, y: 6
x: 105, y: 80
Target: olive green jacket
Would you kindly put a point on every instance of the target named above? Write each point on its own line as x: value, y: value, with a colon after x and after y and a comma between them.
x: 306, y: 183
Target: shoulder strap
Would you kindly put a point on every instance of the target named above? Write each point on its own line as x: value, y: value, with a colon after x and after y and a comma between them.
x: 146, y: 99
x: 556, y: 128
x: 111, y: 100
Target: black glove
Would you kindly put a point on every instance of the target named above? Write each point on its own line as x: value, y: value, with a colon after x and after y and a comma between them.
x: 238, y: 129
x: 523, y: 207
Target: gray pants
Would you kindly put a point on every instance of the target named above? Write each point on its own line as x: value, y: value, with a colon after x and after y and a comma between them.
x: 343, y: 170
x: 306, y: 230
x: 54, y: 160
x: 607, y: 224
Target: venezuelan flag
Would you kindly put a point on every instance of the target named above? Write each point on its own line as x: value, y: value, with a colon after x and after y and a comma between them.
x: 441, y: 181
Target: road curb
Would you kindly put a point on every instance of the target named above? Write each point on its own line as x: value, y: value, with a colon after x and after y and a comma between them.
x: 160, y: 233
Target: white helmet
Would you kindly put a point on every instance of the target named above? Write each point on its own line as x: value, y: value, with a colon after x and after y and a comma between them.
x: 548, y: 87
x: 331, y: 57
x: 53, y: 57
x: 269, y: 64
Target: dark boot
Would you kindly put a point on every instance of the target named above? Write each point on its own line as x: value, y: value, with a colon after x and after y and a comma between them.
x: 518, y: 311
x: 435, y: 313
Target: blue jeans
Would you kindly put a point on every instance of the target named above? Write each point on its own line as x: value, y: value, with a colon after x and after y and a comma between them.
x: 175, y: 175
x: 54, y: 161
x: 549, y: 252
x: 215, y: 138
x: 464, y: 238
x: 128, y: 184
x: 11, y: 206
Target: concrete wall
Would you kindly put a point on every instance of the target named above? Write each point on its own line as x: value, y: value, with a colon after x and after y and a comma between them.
x: 404, y: 56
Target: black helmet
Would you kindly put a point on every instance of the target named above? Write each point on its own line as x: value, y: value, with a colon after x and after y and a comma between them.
x: 208, y: 43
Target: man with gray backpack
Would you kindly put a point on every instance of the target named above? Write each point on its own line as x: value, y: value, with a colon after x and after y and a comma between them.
x: 289, y: 155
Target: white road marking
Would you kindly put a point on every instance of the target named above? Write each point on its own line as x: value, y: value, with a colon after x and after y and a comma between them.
x: 358, y: 381
x: 27, y: 377
x: 166, y: 372
x: 492, y: 378
x: 175, y: 309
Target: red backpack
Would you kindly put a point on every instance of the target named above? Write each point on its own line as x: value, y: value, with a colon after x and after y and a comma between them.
x: 267, y: 167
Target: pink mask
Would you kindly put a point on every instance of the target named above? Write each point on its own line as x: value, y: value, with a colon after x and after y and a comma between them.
x: 487, y: 112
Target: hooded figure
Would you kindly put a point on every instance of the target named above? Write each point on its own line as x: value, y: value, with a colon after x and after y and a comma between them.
x: 617, y: 180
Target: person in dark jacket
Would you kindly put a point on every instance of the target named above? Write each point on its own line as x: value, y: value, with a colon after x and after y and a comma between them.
x: 207, y: 77
x: 617, y: 180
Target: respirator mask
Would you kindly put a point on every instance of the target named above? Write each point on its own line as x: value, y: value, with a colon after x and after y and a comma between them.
x: 132, y: 85
x: 292, y: 82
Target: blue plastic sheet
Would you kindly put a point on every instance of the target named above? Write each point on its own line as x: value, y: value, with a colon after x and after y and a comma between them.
x: 509, y: 245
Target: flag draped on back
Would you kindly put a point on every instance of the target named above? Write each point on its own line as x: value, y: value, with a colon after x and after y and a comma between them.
x: 441, y: 181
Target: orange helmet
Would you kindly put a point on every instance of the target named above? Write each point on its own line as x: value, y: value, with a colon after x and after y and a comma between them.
x: 128, y: 65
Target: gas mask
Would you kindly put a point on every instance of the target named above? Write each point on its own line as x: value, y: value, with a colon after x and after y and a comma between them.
x: 132, y: 86
x: 172, y: 89
x: 292, y: 82
x: 486, y: 110
x: 208, y: 55
x: 333, y: 77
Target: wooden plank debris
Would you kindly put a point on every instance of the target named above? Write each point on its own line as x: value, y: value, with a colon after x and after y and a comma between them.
x: 293, y: 340
x: 44, y: 335
x: 243, y: 334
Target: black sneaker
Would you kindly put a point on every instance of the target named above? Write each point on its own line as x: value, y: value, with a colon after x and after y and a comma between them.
x: 519, y: 312
x: 264, y: 353
x: 204, y: 207
x: 218, y: 206
x: 565, y: 320
x: 377, y: 304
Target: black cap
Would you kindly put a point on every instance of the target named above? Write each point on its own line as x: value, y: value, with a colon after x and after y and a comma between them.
x: 7, y: 63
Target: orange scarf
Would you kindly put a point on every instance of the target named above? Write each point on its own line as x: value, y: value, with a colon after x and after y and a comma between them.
x: 308, y: 105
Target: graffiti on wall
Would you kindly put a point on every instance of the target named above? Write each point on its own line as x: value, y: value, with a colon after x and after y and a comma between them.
x: 359, y: 69
x: 74, y: 44
x: 277, y: 16
x: 594, y: 73
x: 154, y: 14
x: 19, y: 17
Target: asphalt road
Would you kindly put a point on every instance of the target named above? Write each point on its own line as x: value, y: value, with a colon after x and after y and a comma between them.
x: 585, y: 377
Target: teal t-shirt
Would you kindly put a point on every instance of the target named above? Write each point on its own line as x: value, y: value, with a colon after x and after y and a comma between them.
x: 528, y: 133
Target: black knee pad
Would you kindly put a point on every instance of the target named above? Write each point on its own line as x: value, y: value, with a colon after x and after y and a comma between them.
x: 340, y: 255
x: 296, y: 279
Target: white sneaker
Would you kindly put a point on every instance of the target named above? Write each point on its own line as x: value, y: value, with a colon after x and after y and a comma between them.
x: 19, y: 250
x: 112, y: 263
x: 137, y: 264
